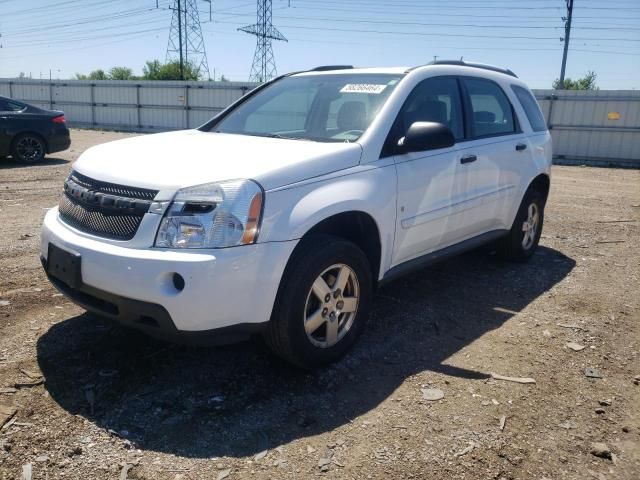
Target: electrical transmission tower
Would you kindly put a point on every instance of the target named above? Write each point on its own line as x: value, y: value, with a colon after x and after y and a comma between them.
x: 264, y: 64
x: 186, y: 44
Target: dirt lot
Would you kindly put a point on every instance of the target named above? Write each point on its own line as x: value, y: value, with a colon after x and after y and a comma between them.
x: 93, y: 400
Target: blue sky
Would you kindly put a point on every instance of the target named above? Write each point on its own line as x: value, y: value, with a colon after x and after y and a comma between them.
x: 69, y: 36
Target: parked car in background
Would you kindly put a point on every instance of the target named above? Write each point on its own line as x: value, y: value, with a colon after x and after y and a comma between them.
x: 283, y: 213
x: 28, y: 133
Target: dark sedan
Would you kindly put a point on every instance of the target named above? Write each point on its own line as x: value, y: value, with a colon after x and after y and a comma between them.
x: 27, y: 133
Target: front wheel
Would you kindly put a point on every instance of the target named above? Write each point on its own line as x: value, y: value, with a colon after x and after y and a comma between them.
x: 323, y: 302
x: 522, y: 240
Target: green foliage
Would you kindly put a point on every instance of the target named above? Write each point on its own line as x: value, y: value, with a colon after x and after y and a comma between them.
x: 98, y: 74
x: 154, y: 70
x: 588, y: 82
x: 121, y: 73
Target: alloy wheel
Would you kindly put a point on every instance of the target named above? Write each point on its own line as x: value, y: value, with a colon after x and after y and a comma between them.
x: 29, y: 149
x: 530, y: 226
x: 332, y: 305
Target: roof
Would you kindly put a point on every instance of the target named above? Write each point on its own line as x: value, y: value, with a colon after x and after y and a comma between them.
x: 348, y: 69
x: 351, y: 71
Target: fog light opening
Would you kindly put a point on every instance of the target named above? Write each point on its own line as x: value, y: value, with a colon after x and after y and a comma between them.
x: 178, y: 282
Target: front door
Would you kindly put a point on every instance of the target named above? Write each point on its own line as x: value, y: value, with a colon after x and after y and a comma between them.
x: 431, y: 184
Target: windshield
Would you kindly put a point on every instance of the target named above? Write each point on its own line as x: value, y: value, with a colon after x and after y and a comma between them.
x: 329, y: 108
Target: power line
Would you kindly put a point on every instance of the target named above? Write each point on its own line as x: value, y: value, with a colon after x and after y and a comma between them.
x: 440, y: 34
x: 414, y: 13
x: 440, y: 24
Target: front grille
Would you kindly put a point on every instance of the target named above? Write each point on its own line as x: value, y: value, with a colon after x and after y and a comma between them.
x: 112, y: 188
x: 104, y: 209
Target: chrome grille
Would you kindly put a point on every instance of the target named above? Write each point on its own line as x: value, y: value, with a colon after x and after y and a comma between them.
x: 103, y: 209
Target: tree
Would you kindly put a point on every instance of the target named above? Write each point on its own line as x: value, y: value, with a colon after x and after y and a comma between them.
x: 154, y: 70
x: 588, y: 82
x: 98, y: 74
x: 121, y: 73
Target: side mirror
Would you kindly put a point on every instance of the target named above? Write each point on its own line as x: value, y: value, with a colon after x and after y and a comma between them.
x: 426, y: 136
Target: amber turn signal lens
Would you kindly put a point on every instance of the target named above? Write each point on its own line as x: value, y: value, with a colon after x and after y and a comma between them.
x: 253, y: 220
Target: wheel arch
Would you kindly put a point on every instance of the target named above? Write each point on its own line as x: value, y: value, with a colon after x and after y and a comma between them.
x: 356, y: 226
x: 541, y: 183
x: 28, y: 132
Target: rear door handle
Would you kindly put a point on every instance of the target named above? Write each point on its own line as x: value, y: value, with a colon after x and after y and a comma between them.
x: 521, y: 146
x: 468, y: 159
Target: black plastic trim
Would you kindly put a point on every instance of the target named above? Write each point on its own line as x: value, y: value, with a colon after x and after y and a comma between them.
x: 482, y: 66
x: 434, y: 257
x: 326, y: 68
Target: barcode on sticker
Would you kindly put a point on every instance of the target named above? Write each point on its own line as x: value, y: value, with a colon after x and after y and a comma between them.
x: 362, y: 88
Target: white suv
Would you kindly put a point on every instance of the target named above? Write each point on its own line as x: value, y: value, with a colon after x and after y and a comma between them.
x: 283, y: 213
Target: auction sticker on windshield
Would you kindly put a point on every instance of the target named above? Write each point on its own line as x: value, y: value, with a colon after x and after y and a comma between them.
x: 362, y: 88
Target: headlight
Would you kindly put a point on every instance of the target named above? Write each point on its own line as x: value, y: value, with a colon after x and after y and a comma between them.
x: 212, y: 215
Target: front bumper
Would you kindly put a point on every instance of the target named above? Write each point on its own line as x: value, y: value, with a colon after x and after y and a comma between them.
x: 231, y: 289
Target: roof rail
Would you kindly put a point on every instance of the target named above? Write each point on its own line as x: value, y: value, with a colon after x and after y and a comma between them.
x: 324, y: 68
x: 462, y: 63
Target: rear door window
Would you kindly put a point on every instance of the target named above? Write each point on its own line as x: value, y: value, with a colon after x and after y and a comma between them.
x: 531, y: 108
x: 491, y: 113
x: 9, y: 106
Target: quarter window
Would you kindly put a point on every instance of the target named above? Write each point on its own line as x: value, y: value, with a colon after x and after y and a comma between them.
x: 491, y: 113
x: 531, y: 108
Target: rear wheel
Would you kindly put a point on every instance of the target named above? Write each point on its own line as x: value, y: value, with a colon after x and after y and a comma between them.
x: 28, y: 148
x: 323, y: 302
x: 522, y: 240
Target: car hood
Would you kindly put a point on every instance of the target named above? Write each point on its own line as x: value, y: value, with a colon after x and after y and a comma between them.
x: 190, y: 157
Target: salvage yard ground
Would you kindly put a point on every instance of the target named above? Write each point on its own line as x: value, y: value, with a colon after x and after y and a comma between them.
x: 82, y: 398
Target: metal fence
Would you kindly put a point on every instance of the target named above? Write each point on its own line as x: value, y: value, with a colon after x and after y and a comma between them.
x: 599, y: 127
x: 128, y: 105
x: 588, y: 127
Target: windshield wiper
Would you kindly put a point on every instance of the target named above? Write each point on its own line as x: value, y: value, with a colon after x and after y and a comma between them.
x: 278, y: 135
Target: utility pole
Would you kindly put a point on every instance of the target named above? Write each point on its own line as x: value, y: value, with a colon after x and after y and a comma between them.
x: 567, y: 33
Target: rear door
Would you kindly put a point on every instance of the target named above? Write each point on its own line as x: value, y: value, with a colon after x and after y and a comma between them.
x: 431, y: 184
x: 494, y: 151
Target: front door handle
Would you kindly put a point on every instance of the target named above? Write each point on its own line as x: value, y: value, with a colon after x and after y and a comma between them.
x: 468, y: 159
x: 520, y: 147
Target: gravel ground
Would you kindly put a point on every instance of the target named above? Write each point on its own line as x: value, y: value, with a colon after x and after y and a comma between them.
x: 82, y: 398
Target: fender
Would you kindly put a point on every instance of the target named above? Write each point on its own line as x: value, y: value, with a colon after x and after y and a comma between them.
x: 292, y: 211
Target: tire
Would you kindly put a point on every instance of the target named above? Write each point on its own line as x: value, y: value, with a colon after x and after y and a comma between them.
x: 522, y: 240
x: 302, y: 329
x: 28, y: 148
